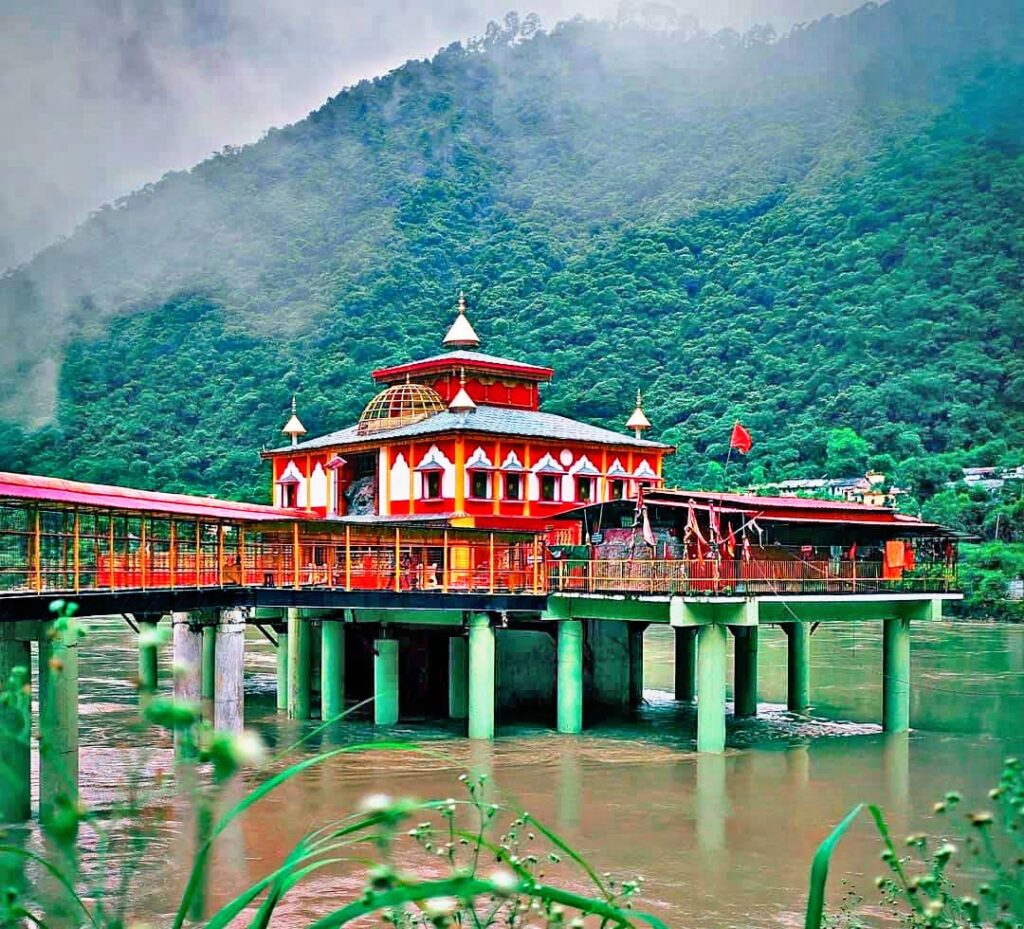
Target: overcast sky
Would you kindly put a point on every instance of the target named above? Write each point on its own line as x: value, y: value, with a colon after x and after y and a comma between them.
x: 98, y: 97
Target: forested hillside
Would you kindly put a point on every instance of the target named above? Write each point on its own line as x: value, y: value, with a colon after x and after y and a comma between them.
x: 820, y: 235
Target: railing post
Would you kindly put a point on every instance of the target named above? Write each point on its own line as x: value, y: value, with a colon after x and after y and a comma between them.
x: 110, y: 543
x: 38, y: 550
x: 220, y: 554
x: 142, y: 554
x: 242, y: 576
x: 296, y: 557
x: 348, y: 558
x: 444, y: 564
x: 172, y: 554
x: 536, y: 565
x: 490, y: 560
x: 77, y: 551
x: 199, y: 553
x: 398, y: 555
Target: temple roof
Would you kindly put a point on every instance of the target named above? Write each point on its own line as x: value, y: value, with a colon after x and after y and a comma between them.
x: 472, y: 361
x: 491, y: 420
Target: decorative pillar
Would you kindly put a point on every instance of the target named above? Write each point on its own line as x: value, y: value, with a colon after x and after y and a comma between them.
x: 686, y: 663
x: 745, y: 677
x: 636, y: 663
x: 798, y: 698
x: 385, y: 682
x: 711, y: 662
x: 298, y: 666
x: 570, y: 676
x: 15, y: 744
x: 282, y: 669
x: 481, y: 677
x: 229, y: 687
x: 458, y: 678
x: 58, y: 720
x: 332, y: 668
x: 896, y: 675
x: 148, y: 658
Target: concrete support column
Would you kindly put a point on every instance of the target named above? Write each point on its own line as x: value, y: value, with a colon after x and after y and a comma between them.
x: 458, y: 678
x: 570, y: 676
x: 636, y: 664
x: 209, y: 671
x: 187, y: 648
x: 229, y: 686
x: 332, y: 669
x: 282, y: 670
x: 15, y: 725
x: 712, y: 643
x: 745, y: 667
x: 58, y: 720
x: 896, y: 675
x: 798, y: 699
x: 385, y: 682
x: 148, y: 657
x: 686, y: 664
x: 298, y: 666
x: 481, y: 677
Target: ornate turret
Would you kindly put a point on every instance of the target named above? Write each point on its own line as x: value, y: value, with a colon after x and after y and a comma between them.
x: 462, y: 402
x: 294, y: 427
x: 461, y: 334
x: 638, y: 422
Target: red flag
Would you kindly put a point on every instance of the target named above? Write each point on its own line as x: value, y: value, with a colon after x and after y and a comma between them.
x: 648, y: 533
x: 852, y: 554
x: 692, y: 527
x: 746, y: 547
x: 730, y: 543
x: 741, y: 440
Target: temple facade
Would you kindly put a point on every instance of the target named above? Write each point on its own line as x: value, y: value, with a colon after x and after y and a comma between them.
x: 460, y: 438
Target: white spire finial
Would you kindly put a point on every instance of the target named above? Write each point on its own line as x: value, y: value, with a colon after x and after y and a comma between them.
x: 638, y: 422
x: 462, y: 402
x: 294, y: 427
x: 461, y: 333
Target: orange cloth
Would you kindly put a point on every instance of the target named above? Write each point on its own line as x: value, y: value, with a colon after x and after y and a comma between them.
x: 895, y: 556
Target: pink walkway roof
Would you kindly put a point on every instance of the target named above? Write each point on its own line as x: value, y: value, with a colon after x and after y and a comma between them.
x: 106, y: 496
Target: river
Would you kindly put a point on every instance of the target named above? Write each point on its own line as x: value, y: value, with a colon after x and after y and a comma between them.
x: 721, y: 840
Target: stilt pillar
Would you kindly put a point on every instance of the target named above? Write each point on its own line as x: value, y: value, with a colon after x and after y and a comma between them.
x: 896, y: 675
x: 798, y: 699
x: 58, y: 720
x: 570, y: 676
x: 481, y: 677
x: 187, y: 648
x: 458, y: 678
x: 298, y: 666
x: 229, y: 686
x: 282, y: 670
x: 711, y: 660
x: 636, y: 664
x: 148, y: 657
x: 385, y: 682
x: 686, y: 664
x: 745, y: 677
x: 332, y: 669
x: 15, y: 730
x: 209, y: 671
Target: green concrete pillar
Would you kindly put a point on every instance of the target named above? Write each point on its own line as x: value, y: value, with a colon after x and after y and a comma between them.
x: 229, y: 683
x: 745, y: 668
x: 712, y: 641
x: 686, y: 664
x: 298, y: 666
x: 458, y: 678
x: 332, y: 668
x: 481, y: 677
x: 798, y: 693
x: 636, y: 663
x: 209, y: 675
x: 385, y: 682
x: 570, y: 676
x: 148, y: 673
x: 15, y: 731
x: 58, y: 720
x: 896, y: 675
x: 282, y: 670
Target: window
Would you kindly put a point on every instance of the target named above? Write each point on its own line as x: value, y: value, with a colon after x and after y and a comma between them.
x: 549, y: 485
x: 432, y: 485
x: 616, y: 490
x: 513, y: 487
x: 289, y: 495
x: 584, y: 489
x: 479, y: 485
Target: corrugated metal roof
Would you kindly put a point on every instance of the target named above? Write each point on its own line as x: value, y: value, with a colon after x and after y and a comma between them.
x: 491, y: 420
x: 108, y: 496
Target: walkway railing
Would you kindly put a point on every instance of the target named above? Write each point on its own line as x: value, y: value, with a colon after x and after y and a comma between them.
x: 705, y: 576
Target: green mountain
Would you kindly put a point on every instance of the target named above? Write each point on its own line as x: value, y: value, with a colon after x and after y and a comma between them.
x: 819, y: 235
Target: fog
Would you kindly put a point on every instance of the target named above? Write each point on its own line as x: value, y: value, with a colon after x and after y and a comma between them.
x: 98, y: 97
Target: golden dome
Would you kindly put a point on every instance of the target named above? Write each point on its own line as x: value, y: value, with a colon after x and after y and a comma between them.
x: 399, y: 405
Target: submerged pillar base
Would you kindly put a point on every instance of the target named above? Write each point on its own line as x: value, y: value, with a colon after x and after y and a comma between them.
x: 385, y: 682
x: 332, y: 669
x: 686, y: 664
x: 481, y: 677
x: 712, y: 641
x: 299, y: 652
x: 15, y: 747
x: 896, y: 675
x: 458, y: 678
x: 229, y: 687
x: 570, y: 676
x: 798, y: 692
x: 58, y: 720
x: 745, y: 677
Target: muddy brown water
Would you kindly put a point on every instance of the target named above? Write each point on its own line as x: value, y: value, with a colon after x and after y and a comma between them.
x: 721, y: 841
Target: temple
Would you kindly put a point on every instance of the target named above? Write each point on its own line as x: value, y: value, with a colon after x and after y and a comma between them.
x: 460, y: 439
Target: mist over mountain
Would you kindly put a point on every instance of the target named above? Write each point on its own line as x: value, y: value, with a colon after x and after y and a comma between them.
x: 812, y: 233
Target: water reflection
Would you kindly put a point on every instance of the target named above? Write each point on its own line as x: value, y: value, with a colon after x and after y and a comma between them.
x: 722, y: 840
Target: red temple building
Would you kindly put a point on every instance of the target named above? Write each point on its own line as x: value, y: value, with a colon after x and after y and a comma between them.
x: 460, y: 438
